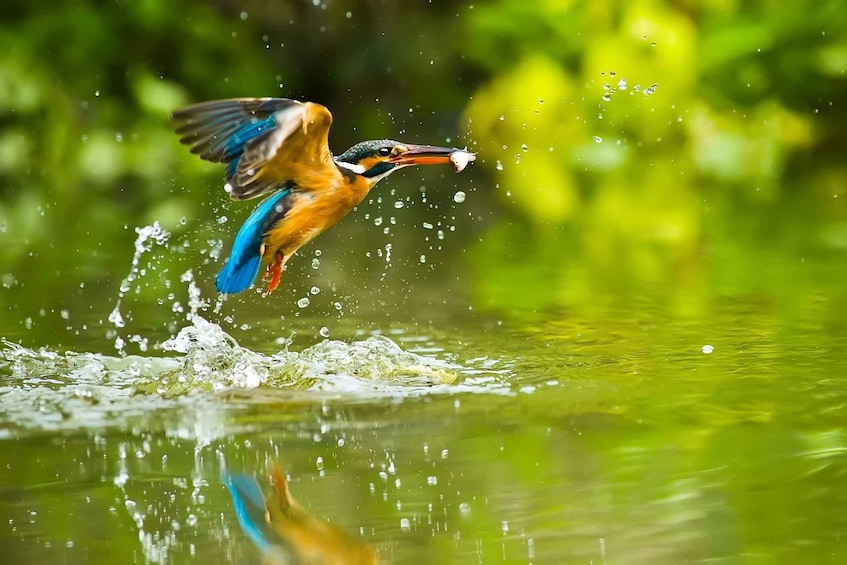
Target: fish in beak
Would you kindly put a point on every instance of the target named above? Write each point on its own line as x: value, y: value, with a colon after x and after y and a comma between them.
x: 432, y: 155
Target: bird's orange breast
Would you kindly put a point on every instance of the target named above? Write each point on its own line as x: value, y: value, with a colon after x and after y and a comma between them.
x: 314, y: 211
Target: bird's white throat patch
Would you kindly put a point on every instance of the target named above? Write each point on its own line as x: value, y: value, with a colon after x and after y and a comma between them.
x: 358, y: 169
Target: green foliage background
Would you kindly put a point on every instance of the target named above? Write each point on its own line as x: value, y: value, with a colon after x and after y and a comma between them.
x: 626, y: 147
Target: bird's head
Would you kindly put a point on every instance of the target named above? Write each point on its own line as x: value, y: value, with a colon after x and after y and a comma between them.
x: 375, y: 160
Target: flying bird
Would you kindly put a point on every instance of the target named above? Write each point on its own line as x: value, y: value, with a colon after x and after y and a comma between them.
x: 278, y: 149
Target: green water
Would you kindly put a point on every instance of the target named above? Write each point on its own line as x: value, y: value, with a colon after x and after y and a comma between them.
x: 457, y: 418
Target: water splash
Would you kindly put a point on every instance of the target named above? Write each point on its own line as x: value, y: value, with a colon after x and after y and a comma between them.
x: 46, y: 390
x: 148, y: 237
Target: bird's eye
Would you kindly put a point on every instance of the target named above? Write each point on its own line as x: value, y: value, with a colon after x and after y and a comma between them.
x: 385, y: 151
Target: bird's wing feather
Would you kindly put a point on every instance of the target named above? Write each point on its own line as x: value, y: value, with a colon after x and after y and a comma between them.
x: 265, y: 142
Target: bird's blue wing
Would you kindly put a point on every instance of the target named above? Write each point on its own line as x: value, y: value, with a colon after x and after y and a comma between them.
x: 245, y: 259
x: 248, y: 134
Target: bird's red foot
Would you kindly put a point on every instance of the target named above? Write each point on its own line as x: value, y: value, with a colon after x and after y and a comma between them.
x: 274, y: 272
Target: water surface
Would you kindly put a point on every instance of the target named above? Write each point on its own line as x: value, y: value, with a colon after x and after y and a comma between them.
x: 538, y: 436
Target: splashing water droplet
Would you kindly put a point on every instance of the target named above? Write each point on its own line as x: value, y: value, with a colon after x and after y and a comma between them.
x: 499, y: 165
x: 116, y: 318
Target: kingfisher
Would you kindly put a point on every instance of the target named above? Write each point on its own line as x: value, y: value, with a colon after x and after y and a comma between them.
x: 285, y: 532
x: 278, y: 148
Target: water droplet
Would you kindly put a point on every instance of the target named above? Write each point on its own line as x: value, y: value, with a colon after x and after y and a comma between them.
x: 432, y: 480
x: 459, y: 197
x: 399, y: 204
x: 622, y: 84
x: 427, y: 226
x: 314, y: 290
x: 378, y: 221
x: 303, y: 302
x: 405, y: 525
x: 707, y: 349
x: 423, y: 259
x: 598, y: 139
x: 316, y: 263
x: 324, y: 331
x: 116, y: 319
x: 525, y: 147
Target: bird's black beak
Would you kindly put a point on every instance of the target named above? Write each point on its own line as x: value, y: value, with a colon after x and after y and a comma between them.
x: 422, y: 155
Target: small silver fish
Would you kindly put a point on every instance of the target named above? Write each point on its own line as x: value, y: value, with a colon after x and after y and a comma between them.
x: 460, y: 159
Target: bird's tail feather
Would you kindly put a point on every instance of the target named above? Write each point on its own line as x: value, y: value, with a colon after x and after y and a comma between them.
x: 245, y: 260
x: 238, y: 275
x: 250, y: 508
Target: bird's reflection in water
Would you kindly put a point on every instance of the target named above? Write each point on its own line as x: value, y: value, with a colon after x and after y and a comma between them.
x: 285, y: 532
